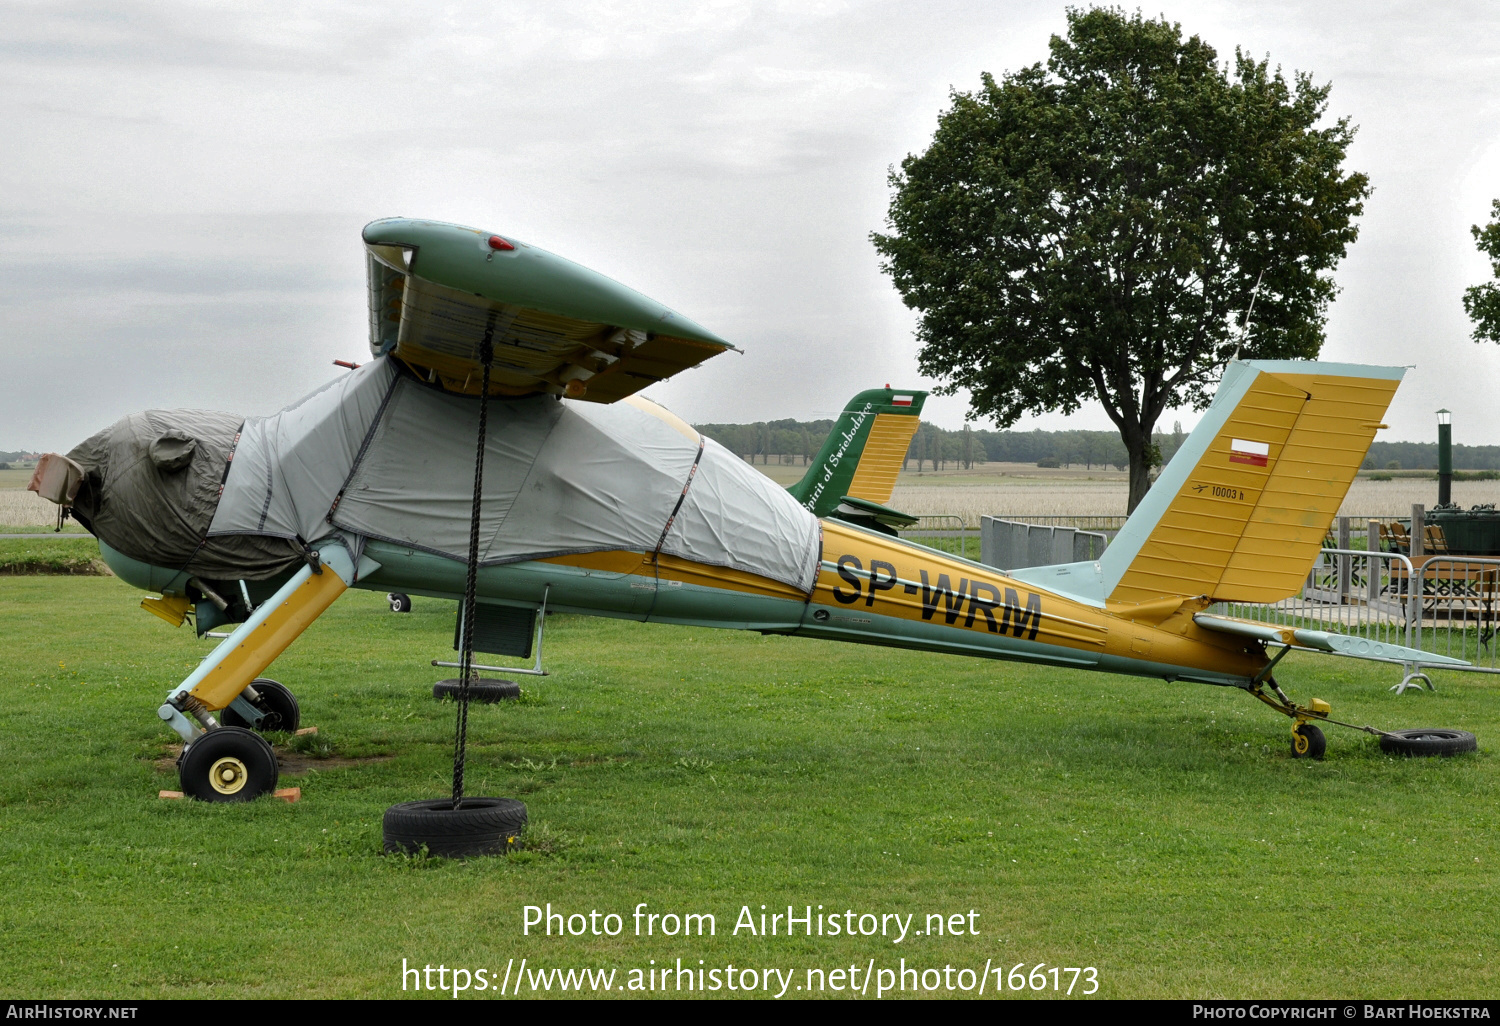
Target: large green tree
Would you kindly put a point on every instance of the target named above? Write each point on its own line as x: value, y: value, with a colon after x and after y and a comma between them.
x: 1094, y: 228
x: 1483, y: 301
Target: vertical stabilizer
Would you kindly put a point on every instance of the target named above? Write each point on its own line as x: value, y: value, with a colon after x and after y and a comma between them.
x: 864, y: 451
x: 1243, y: 508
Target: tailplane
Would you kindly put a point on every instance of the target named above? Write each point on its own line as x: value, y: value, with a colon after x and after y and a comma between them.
x: 864, y: 451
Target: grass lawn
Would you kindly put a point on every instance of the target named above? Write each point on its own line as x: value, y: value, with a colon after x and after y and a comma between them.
x: 1158, y: 832
x: 49, y: 555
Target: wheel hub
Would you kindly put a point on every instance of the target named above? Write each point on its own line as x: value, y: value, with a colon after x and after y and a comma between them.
x: 228, y: 775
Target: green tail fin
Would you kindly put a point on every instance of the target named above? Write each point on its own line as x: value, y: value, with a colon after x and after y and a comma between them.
x: 864, y: 451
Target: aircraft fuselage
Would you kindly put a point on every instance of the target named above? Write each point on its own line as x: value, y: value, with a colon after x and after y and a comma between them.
x: 870, y: 589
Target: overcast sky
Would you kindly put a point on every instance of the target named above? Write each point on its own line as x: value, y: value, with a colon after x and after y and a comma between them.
x: 182, y: 185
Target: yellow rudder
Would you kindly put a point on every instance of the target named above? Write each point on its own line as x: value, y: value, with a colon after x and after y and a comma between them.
x: 884, y: 453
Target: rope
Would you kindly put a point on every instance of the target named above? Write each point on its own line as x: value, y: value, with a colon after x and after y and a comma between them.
x: 471, y: 582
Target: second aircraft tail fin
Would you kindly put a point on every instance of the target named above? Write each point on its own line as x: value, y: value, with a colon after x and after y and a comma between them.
x: 864, y: 451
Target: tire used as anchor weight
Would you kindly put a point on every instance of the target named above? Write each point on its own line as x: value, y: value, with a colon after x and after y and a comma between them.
x: 230, y: 764
x: 1428, y: 741
x: 276, y: 701
x: 483, y: 691
x: 479, y: 826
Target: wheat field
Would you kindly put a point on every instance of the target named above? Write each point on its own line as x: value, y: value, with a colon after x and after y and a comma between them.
x: 1041, y: 497
x: 20, y: 508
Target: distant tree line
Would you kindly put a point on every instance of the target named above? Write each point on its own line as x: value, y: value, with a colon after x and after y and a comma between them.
x: 935, y: 448
x: 1424, y: 456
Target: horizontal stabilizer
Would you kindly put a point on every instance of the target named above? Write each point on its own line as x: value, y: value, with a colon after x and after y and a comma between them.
x: 1322, y: 641
x: 872, y: 514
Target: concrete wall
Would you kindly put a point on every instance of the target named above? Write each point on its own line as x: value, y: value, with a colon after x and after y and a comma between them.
x: 1011, y: 545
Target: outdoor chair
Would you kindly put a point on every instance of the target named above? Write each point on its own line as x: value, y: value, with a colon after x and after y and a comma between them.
x: 1399, y: 537
x: 1434, y: 541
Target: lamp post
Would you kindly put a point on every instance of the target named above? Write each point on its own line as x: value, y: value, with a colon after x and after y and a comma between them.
x: 1445, y: 458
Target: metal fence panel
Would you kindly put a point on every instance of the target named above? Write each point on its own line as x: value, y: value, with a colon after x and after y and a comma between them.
x: 930, y: 527
x: 1455, y: 605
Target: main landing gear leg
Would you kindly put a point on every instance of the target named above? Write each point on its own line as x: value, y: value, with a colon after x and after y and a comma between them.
x: 227, y: 762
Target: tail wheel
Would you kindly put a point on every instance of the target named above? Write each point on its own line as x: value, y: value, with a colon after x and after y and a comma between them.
x: 230, y: 764
x: 399, y: 603
x: 1308, y: 742
x: 276, y: 701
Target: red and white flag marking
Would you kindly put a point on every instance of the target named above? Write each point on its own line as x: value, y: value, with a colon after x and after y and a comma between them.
x: 1254, y: 453
x: 900, y: 400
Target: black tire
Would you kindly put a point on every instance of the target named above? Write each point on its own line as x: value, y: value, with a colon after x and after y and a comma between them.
x: 276, y: 700
x: 482, y: 826
x: 485, y: 691
x: 1308, y: 742
x: 399, y: 603
x: 230, y: 764
x: 1428, y: 741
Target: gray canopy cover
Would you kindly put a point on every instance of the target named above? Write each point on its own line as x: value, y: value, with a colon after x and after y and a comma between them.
x: 380, y: 454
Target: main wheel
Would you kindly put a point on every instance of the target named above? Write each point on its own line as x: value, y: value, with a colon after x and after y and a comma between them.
x: 399, y: 603
x: 1428, y: 741
x: 276, y: 701
x: 480, y: 826
x: 484, y: 691
x: 230, y: 764
x: 1308, y: 742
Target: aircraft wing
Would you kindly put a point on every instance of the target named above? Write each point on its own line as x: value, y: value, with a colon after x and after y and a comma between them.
x: 1322, y: 641
x: 437, y: 290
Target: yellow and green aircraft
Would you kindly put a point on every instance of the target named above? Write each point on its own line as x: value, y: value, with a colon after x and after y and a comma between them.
x: 591, y: 499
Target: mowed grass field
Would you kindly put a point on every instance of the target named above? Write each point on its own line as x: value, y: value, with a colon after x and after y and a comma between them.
x: 1157, y: 832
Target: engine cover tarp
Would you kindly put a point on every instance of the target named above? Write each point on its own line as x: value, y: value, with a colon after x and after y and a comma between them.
x: 289, y: 467
x: 150, y: 486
